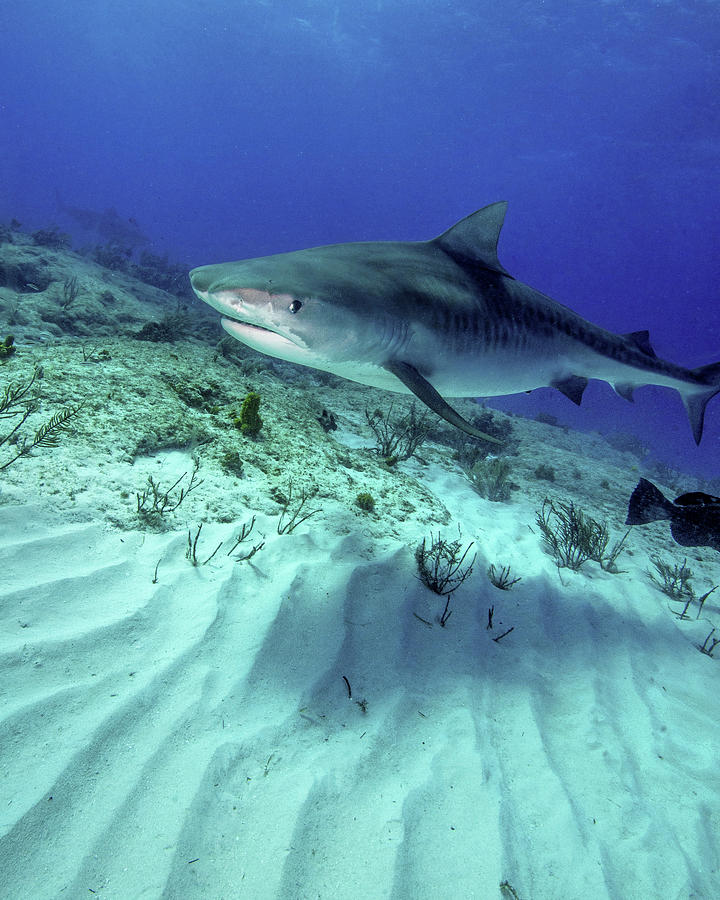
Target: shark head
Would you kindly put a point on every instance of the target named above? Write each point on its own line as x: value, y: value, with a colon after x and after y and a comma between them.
x: 305, y: 307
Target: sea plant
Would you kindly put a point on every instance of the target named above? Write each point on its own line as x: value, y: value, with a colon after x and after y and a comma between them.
x: 467, y: 450
x: 491, y: 479
x: 365, y: 501
x: 440, y: 563
x: 232, y: 463
x: 709, y: 644
x: 161, y: 273
x: 18, y: 402
x: 572, y: 537
x: 52, y: 238
x: 327, y: 420
x: 397, y: 437
x: 292, y: 513
x: 245, y: 532
x: 172, y: 327
x: 153, y: 503
x: 501, y: 577
x: 249, y: 421
x: 191, y: 552
x: 71, y: 289
x: 7, y: 348
x: 672, y: 579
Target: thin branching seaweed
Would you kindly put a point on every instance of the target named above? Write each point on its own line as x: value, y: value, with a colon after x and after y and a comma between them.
x: 440, y: 564
x: 397, y: 437
x: 191, y: 552
x: 672, y: 579
x: 501, y: 578
x: 491, y: 479
x: 245, y: 532
x: 572, y: 537
x: 292, y: 514
x: 153, y: 502
x: 18, y: 402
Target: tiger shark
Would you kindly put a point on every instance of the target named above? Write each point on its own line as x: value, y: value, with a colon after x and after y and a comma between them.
x: 439, y: 318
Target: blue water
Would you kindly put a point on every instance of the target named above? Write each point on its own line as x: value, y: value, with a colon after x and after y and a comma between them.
x: 240, y: 129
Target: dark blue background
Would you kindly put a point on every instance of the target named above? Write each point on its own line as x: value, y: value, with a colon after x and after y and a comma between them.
x: 240, y: 129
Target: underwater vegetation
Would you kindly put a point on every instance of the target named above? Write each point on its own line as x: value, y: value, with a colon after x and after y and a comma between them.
x: 18, y: 402
x: 327, y: 421
x: 249, y: 421
x: 365, y: 501
x: 7, y: 348
x: 52, y: 238
x: 172, y: 327
x: 491, y: 479
x: 292, y: 511
x: 24, y: 277
x: 672, y: 579
x: 113, y: 256
x: 70, y: 289
x: 232, y: 463
x: 572, y: 537
x: 161, y: 273
x: 709, y: 644
x: 245, y: 531
x: 397, y: 436
x: 468, y: 451
x: 501, y: 577
x: 153, y: 503
x: 151, y: 268
x: 440, y: 563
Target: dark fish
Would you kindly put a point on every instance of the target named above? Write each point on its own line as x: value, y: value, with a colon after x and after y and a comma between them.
x: 694, y: 517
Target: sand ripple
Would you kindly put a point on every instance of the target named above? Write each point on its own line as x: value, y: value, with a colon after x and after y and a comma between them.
x: 194, y: 738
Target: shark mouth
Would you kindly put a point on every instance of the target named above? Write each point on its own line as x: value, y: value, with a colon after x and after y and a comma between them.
x: 258, y: 337
x: 264, y: 340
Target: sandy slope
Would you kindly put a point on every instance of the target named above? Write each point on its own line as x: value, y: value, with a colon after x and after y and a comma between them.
x: 185, y: 732
x: 194, y: 737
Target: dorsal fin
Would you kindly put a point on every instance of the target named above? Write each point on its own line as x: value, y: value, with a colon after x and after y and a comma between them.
x: 641, y: 339
x: 474, y: 239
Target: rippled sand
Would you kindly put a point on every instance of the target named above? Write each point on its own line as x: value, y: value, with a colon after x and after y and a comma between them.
x: 179, y: 731
x: 194, y: 737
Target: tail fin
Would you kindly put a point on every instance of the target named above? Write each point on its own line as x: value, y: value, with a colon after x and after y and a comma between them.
x: 647, y: 504
x: 695, y: 403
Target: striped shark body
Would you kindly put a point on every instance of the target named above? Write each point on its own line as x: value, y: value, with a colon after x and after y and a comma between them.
x: 438, y: 319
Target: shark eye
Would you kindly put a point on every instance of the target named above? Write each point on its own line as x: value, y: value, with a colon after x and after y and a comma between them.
x: 295, y: 306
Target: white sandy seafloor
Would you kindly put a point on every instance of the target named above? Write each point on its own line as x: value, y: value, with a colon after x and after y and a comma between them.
x: 179, y: 731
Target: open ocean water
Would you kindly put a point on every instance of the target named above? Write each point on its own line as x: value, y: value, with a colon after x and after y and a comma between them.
x: 229, y: 130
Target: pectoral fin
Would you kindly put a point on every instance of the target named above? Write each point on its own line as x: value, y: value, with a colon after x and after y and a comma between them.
x: 424, y: 391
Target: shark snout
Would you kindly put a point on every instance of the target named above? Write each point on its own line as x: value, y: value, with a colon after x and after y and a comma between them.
x: 202, y: 279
